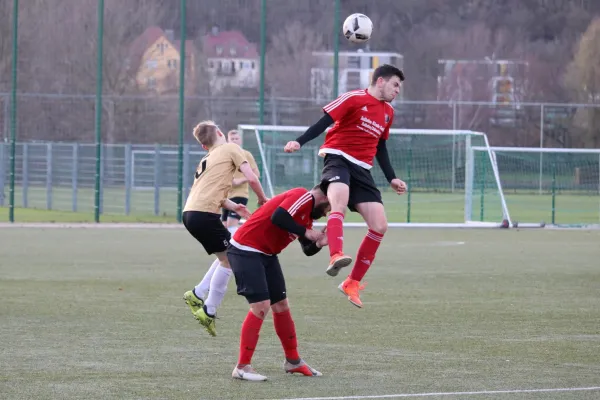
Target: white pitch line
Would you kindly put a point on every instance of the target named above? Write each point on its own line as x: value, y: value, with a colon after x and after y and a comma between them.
x: 86, y: 225
x: 483, y: 392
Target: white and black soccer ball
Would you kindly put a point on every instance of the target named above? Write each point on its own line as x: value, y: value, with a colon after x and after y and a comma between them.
x: 357, y: 28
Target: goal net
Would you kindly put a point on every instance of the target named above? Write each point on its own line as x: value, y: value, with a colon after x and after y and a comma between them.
x: 437, y: 165
x: 541, y: 185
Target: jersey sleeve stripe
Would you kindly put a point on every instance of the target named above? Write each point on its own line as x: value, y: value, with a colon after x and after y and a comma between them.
x: 306, y: 197
x: 345, y: 96
x: 336, y: 103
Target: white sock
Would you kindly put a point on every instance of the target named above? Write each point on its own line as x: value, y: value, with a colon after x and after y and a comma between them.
x: 201, y: 289
x: 218, y: 287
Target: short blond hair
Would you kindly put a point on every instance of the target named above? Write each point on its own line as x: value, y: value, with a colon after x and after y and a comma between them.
x: 233, y: 132
x: 206, y: 132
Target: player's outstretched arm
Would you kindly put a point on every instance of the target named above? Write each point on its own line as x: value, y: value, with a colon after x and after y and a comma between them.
x: 383, y: 159
x: 254, y: 183
x: 311, y: 133
x: 242, y: 180
x: 241, y: 209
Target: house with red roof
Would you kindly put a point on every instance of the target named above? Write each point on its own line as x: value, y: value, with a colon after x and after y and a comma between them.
x: 230, y: 61
x: 155, y: 58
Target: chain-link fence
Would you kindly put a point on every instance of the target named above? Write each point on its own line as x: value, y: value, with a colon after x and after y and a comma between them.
x: 110, y: 72
x: 135, y: 180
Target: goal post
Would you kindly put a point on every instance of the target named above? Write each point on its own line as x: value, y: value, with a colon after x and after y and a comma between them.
x: 437, y: 165
x: 542, y: 186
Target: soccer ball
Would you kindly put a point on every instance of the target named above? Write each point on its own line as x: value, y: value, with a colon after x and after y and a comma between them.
x: 358, y: 28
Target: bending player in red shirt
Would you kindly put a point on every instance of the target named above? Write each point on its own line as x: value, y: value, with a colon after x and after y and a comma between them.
x: 362, y: 126
x: 252, y: 254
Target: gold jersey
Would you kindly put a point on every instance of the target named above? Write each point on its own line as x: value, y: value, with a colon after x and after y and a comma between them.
x: 242, y: 190
x: 214, y: 177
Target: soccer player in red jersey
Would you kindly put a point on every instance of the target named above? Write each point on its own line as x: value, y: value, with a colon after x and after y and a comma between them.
x: 252, y: 254
x: 362, y: 121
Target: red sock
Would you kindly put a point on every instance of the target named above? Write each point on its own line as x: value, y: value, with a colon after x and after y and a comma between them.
x: 249, y: 337
x: 335, y: 232
x: 286, y: 330
x: 366, y: 255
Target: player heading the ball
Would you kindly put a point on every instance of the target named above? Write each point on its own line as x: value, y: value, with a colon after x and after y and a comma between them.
x: 361, y: 126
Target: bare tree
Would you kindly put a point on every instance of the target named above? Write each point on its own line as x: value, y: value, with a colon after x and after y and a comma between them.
x: 583, y: 79
x: 290, y: 59
x: 58, y: 43
x: 62, y: 59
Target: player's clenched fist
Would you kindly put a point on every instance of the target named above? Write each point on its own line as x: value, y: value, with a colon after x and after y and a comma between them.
x: 398, y: 185
x: 291, y: 147
x: 313, y: 235
x: 322, y: 242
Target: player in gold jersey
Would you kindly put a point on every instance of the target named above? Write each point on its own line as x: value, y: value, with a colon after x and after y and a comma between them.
x: 239, y: 192
x: 201, y: 214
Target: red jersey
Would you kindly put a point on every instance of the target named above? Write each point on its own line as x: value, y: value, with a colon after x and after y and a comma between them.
x: 360, y: 121
x: 259, y: 234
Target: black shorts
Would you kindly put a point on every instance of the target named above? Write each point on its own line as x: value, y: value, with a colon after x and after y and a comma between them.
x: 258, y: 276
x: 208, y: 229
x: 362, y: 186
x: 232, y: 214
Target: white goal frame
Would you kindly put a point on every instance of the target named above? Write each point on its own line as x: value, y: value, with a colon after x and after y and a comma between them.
x: 469, y: 172
x: 541, y: 151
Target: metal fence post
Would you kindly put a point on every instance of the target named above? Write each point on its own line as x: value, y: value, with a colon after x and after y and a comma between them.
x: 454, y: 121
x: 98, y: 113
x: 74, y: 175
x: 186, y: 169
x: 13, y: 109
x: 128, y: 179
x: 454, y: 149
x: 25, y: 174
x: 49, y: 176
x: 101, y: 180
x: 316, y: 168
x: 2, y: 174
x: 182, y: 64
x: 6, y: 118
x: 469, y: 175
x: 541, y: 145
x: 156, y: 179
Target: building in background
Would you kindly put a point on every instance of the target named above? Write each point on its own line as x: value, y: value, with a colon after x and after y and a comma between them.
x: 155, y: 59
x: 229, y: 60
x: 355, y: 71
x: 501, y: 82
x: 232, y: 61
